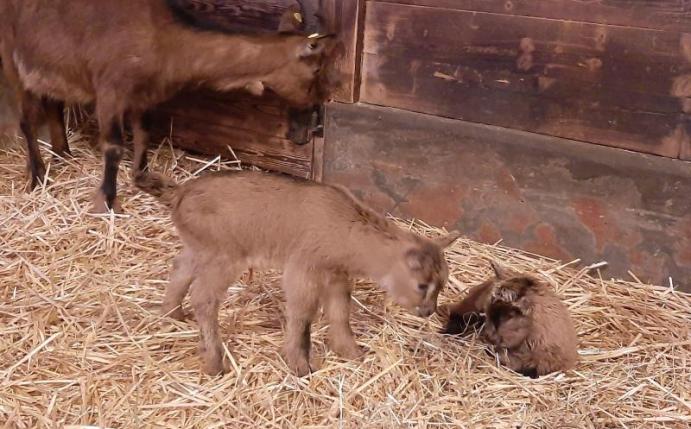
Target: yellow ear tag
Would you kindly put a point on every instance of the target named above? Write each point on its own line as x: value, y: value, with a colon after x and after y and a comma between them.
x: 297, y: 17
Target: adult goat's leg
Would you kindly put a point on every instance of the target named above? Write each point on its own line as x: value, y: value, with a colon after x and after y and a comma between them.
x: 111, y: 135
x: 28, y: 122
x: 141, y: 125
x: 55, y: 115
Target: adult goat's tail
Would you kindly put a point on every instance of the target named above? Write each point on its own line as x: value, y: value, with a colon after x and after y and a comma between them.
x: 161, y: 187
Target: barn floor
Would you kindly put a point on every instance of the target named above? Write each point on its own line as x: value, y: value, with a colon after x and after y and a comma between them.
x: 82, y: 343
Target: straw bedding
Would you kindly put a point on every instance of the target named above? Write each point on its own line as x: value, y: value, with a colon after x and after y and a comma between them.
x: 82, y: 343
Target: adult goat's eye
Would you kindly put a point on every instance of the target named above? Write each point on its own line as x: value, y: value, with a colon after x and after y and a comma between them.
x: 422, y: 287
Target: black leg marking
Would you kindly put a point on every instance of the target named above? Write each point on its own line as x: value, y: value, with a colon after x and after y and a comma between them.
x: 112, y: 155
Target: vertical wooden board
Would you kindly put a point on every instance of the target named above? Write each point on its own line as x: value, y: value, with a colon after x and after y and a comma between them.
x: 344, y: 16
x: 671, y: 15
x: 605, y: 85
x: 551, y: 196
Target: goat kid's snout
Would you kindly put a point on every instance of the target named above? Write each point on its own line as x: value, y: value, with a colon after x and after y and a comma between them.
x: 426, y: 310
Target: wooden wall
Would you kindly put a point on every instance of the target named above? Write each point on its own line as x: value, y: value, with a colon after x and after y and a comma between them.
x: 545, y: 101
x: 616, y: 73
x: 547, y: 195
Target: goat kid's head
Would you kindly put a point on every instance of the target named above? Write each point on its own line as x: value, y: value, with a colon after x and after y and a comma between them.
x: 418, y: 273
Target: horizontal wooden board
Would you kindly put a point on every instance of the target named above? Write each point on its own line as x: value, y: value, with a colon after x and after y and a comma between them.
x: 551, y: 196
x: 253, y: 127
x: 239, y: 15
x: 608, y: 85
x: 673, y: 15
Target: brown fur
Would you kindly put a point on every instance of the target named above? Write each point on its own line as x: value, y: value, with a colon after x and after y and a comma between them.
x: 129, y: 56
x: 320, y: 236
x: 529, y: 327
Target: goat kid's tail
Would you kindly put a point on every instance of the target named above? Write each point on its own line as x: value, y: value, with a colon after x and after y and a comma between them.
x: 161, y: 187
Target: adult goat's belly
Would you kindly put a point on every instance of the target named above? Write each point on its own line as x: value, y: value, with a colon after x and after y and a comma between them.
x: 45, y: 81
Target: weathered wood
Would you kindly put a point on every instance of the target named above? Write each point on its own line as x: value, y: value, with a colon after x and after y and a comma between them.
x: 240, y: 15
x: 673, y: 15
x: 345, y: 17
x: 317, y: 159
x: 555, y: 197
x: 253, y: 127
x: 602, y: 84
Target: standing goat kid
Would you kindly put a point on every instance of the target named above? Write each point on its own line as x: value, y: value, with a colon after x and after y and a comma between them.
x: 129, y: 56
x: 529, y: 327
x: 321, y: 237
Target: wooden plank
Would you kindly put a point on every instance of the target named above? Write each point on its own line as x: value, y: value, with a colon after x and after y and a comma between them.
x: 672, y: 15
x: 239, y: 15
x: 345, y: 18
x: 317, y: 159
x: 685, y: 136
x: 555, y: 197
x: 253, y: 127
x: 601, y: 84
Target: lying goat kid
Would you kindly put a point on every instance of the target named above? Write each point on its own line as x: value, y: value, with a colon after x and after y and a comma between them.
x: 321, y: 237
x: 529, y: 327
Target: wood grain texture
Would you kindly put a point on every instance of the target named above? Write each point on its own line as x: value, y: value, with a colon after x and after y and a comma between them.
x: 240, y: 15
x: 609, y: 85
x: 672, y: 15
x: 345, y: 18
x: 207, y: 122
x: 555, y: 197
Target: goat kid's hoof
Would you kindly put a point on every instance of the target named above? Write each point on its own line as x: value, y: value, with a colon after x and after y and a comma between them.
x: 301, y: 366
x: 350, y: 351
x: 214, y: 368
x: 99, y: 206
x: 174, y: 313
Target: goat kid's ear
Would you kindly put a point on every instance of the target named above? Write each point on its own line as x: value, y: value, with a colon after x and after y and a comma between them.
x: 448, y: 239
x: 500, y: 271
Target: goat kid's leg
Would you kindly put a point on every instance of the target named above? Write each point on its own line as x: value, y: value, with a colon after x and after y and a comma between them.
x: 180, y: 280
x: 207, y: 289
x: 55, y: 115
x: 301, y: 306
x: 28, y: 123
x: 336, y: 302
x: 141, y: 125
x: 112, y: 145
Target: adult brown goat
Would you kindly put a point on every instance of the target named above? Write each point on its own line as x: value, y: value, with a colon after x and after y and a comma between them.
x: 129, y: 56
